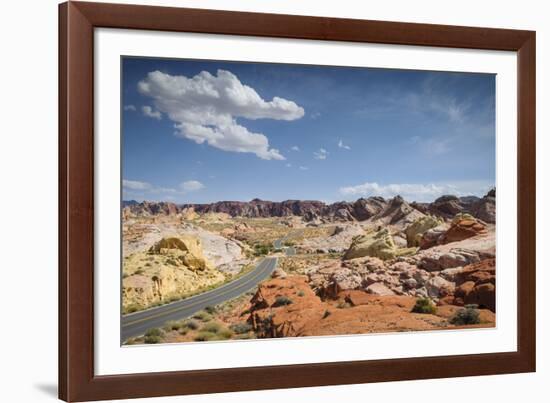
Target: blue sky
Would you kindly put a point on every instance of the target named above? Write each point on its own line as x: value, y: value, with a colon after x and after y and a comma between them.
x: 204, y: 131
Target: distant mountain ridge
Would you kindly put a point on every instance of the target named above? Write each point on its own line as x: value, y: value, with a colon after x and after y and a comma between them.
x: 359, y: 210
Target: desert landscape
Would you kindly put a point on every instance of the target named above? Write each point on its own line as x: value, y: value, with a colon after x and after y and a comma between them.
x: 246, y: 270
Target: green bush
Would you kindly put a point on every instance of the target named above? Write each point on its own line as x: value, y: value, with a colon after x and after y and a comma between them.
x: 424, y: 305
x: 205, y: 336
x: 469, y: 315
x: 132, y: 308
x: 191, y: 324
x: 241, y: 328
x: 172, y: 325
x: 210, y: 309
x: 211, y: 327
x: 225, y: 334
x: 153, y: 336
x: 213, y: 331
x: 202, y: 315
x: 282, y: 301
x: 301, y: 293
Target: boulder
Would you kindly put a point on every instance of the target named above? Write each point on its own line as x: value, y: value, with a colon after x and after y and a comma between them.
x: 462, y: 227
x: 378, y: 244
x: 416, y: 230
x: 482, y: 295
x: 379, y: 289
x: 438, y: 287
x: 185, y: 248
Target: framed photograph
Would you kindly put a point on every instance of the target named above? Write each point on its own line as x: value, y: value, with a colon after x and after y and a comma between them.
x: 255, y: 201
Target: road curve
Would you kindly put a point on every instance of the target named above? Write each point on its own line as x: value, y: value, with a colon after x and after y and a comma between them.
x: 136, y: 324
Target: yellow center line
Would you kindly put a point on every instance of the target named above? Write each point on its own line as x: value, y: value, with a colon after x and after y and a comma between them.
x: 260, y: 273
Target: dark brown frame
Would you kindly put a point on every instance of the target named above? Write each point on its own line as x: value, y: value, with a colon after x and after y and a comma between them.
x: 77, y: 21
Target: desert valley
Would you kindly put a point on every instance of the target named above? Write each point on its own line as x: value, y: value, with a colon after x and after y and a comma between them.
x: 260, y: 269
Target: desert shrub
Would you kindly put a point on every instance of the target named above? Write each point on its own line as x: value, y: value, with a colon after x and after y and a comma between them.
x: 282, y: 301
x: 212, y: 327
x: 326, y: 314
x: 469, y: 315
x: 210, y: 309
x: 191, y: 324
x: 424, y: 305
x: 130, y: 341
x: 244, y: 336
x: 203, y: 316
x: 139, y: 271
x: 124, y: 275
x: 153, y: 336
x: 183, y: 331
x: 225, y: 334
x: 132, y: 308
x: 241, y: 328
x: 301, y: 293
x: 261, y: 249
x: 173, y: 325
x: 205, y: 336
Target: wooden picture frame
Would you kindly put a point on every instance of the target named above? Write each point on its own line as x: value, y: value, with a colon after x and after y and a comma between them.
x: 77, y: 21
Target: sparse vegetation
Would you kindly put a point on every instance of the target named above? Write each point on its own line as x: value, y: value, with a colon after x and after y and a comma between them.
x: 241, y: 328
x: 262, y: 249
x: 300, y: 293
x: 282, y: 301
x: 213, y: 331
x: 326, y: 314
x: 469, y: 315
x: 191, y: 324
x: 153, y: 336
x: 424, y: 305
x: 202, y: 316
x: 210, y: 309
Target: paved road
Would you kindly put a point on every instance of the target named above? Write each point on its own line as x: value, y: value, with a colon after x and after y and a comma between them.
x: 289, y: 250
x: 136, y: 324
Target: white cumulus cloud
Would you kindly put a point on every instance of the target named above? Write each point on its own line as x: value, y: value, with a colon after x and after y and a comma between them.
x: 342, y: 145
x: 130, y: 108
x: 417, y: 191
x: 321, y: 154
x: 191, y: 186
x: 295, y: 148
x: 135, y: 185
x: 149, y: 112
x: 205, y: 109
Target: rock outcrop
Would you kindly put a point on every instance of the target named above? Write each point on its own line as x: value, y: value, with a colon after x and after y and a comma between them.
x: 462, y: 227
x: 378, y: 244
x: 416, y: 230
x: 288, y: 308
x: 170, y: 269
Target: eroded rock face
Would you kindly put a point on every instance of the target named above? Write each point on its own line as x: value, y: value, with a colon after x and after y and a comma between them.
x: 416, y: 230
x: 307, y: 315
x: 476, y: 285
x: 378, y: 244
x: 172, y: 267
x: 338, y: 242
x: 462, y: 227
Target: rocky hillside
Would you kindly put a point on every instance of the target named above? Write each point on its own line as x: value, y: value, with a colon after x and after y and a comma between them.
x: 388, y: 211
